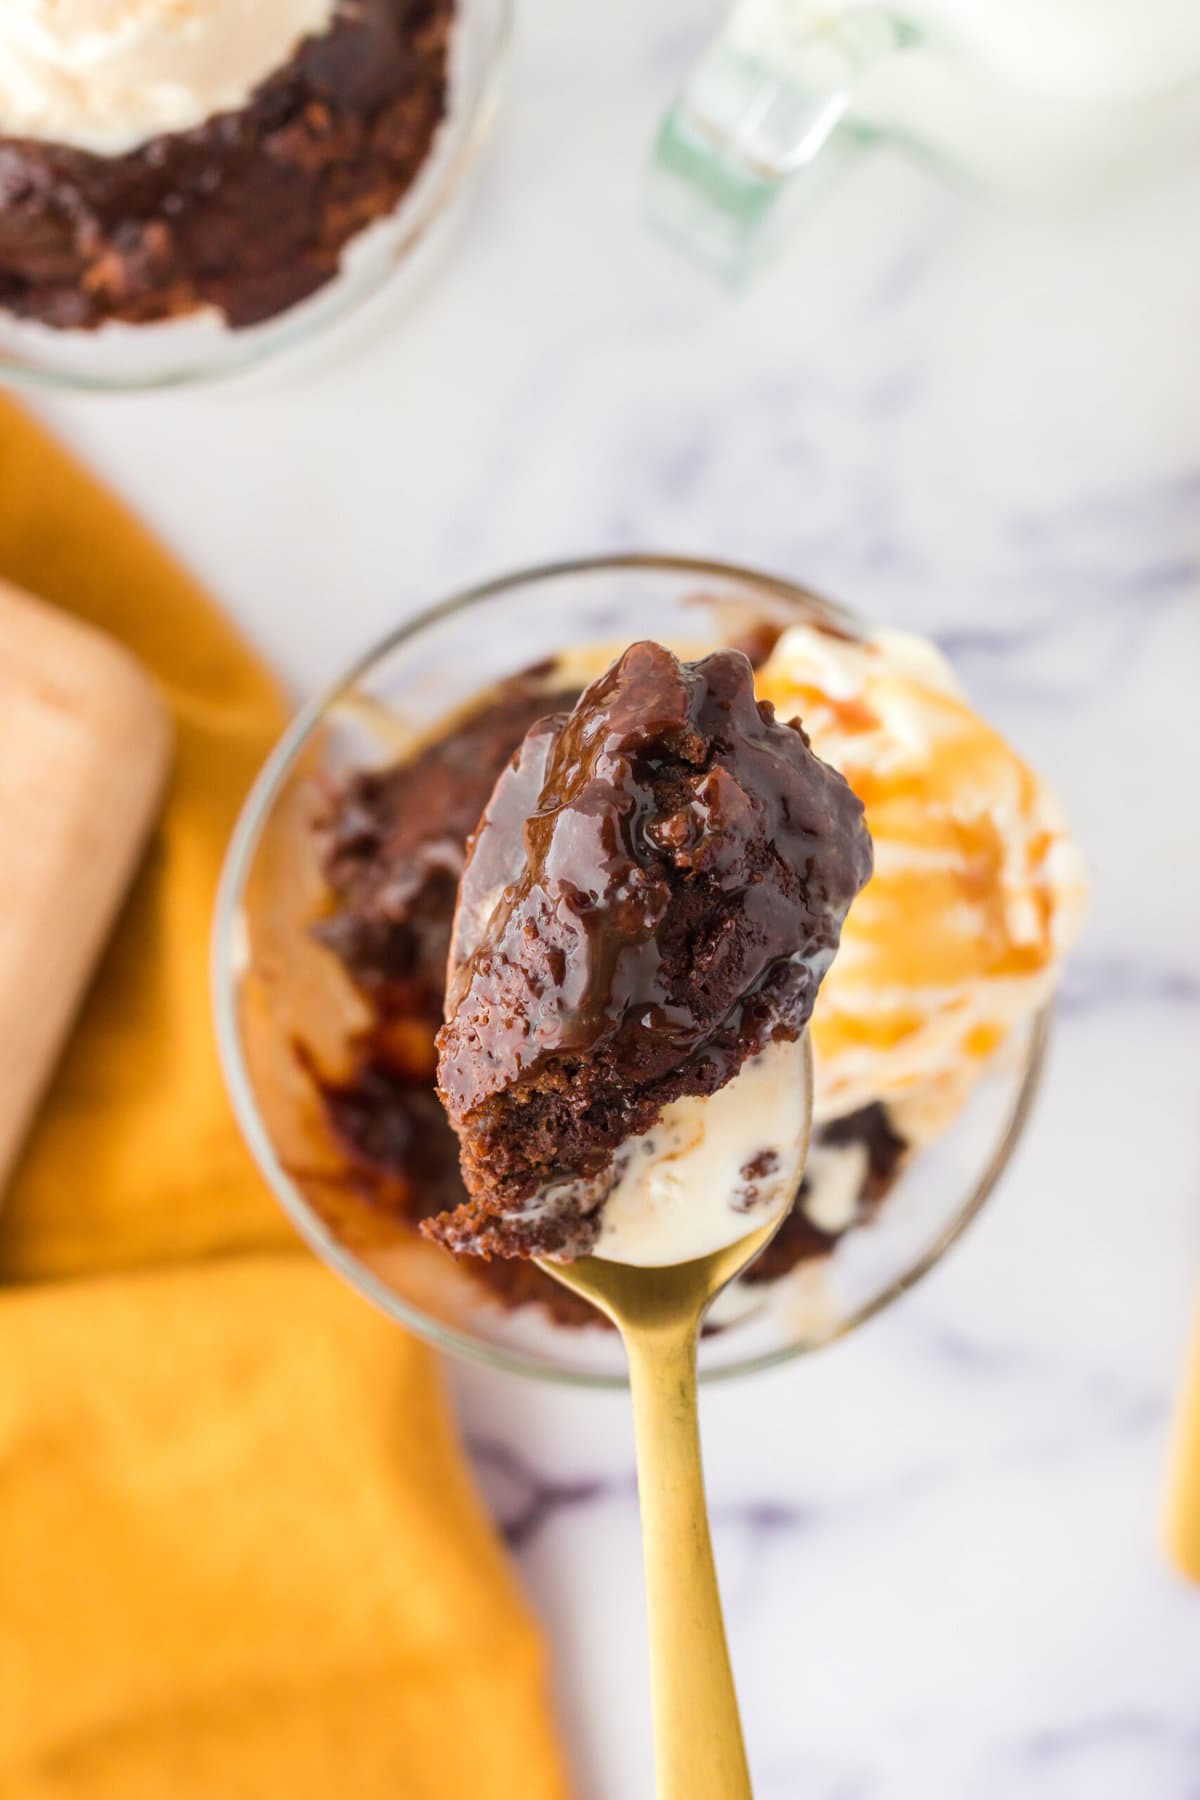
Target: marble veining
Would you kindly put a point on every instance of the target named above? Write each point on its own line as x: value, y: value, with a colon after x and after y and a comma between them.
x: 1095, y: 982
x: 939, y: 1539
x: 524, y: 1499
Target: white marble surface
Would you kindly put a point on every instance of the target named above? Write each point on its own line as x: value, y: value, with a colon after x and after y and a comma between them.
x: 937, y: 1541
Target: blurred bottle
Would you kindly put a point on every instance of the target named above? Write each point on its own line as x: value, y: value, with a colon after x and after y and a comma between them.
x: 1040, y: 97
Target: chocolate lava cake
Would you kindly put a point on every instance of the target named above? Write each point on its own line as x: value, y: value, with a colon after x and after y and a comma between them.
x: 393, y: 848
x: 248, y: 212
x: 654, y: 891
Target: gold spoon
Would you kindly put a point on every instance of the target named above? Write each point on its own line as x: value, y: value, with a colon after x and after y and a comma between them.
x: 699, y: 1752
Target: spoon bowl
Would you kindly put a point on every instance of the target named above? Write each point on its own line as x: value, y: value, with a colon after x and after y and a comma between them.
x: 658, y: 1310
x: 654, y: 1297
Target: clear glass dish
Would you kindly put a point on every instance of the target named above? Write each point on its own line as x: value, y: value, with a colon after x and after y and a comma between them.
x: 275, y: 987
x: 201, y: 346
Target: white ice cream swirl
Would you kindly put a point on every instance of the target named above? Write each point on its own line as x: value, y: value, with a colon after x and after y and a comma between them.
x: 106, y: 75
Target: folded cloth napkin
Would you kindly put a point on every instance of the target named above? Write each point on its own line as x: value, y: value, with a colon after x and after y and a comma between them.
x: 136, y: 1158
x: 240, y: 1555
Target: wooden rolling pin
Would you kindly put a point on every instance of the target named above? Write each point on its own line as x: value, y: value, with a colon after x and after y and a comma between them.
x: 84, y: 750
x: 1183, y: 1476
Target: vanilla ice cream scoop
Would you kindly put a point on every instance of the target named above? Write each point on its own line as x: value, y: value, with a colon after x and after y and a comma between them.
x: 106, y: 75
x: 710, y: 1169
x: 977, y: 891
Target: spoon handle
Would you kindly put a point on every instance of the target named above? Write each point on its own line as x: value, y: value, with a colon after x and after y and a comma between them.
x: 698, y: 1749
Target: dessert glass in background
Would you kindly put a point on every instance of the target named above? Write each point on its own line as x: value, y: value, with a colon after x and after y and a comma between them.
x: 284, y: 1004
x: 200, y: 345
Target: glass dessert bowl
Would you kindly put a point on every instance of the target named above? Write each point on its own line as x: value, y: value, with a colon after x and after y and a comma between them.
x: 190, y: 190
x: 311, y: 1055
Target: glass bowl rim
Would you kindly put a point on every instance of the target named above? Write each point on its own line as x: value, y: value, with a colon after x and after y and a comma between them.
x: 226, y: 976
x: 288, y: 330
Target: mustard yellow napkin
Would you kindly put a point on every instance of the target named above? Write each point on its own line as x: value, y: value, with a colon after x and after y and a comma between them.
x: 136, y: 1159
x: 1182, y: 1517
x: 240, y: 1555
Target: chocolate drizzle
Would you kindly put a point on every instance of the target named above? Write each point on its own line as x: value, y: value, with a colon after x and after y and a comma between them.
x: 396, y: 844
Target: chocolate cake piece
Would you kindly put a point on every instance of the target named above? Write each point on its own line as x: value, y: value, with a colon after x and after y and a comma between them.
x: 249, y: 212
x: 653, y: 894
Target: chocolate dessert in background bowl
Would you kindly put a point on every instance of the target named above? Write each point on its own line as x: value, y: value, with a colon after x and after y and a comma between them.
x: 335, y: 921
x: 187, y: 186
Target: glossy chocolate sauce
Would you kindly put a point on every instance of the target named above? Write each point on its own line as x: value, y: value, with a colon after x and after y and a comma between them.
x: 396, y: 844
